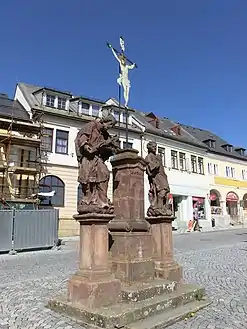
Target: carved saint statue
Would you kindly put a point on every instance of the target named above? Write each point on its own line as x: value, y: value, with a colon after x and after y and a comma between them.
x: 159, y: 187
x: 123, y: 79
x: 94, y: 145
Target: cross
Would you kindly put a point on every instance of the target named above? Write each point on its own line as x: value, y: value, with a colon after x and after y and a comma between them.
x: 123, y: 80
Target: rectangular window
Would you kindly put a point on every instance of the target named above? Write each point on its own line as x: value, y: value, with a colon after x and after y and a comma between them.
x: 200, y: 166
x: 47, y: 139
x: 210, y: 171
x: 193, y: 163
x: 182, y: 161
x: 174, y: 158
x: 61, y: 103
x: 232, y: 172
x: 228, y: 171
x: 116, y: 115
x: 62, y: 141
x: 95, y: 110
x: 84, y: 108
x: 162, y: 153
x: 215, y: 169
x: 244, y: 174
x: 50, y: 100
x: 127, y: 145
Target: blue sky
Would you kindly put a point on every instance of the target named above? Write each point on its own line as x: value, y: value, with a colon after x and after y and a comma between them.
x: 191, y: 55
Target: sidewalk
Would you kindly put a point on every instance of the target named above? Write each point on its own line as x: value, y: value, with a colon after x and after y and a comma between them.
x: 179, y: 231
x: 212, y: 229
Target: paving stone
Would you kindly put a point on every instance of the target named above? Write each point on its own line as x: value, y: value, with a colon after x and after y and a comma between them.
x: 215, y: 260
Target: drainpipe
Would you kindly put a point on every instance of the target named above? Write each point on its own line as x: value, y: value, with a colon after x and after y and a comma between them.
x: 142, y: 135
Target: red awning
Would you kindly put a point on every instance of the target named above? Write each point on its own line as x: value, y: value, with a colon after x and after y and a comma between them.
x: 213, y: 197
x: 231, y: 197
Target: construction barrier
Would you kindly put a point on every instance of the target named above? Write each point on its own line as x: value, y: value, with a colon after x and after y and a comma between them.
x: 28, y: 229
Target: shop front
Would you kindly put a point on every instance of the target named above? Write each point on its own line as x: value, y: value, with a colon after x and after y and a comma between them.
x: 215, y: 202
x: 199, y: 203
x: 232, y: 204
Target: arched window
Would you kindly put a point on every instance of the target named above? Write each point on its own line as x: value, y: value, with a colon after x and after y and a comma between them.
x: 79, y: 193
x: 215, y: 198
x: 232, y: 203
x: 52, y: 183
x: 245, y: 201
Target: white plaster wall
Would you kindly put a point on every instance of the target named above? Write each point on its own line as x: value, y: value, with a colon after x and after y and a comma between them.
x: 19, y: 96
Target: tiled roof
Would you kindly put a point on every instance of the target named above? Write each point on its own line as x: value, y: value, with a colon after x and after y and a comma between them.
x: 10, y: 108
x: 203, y: 135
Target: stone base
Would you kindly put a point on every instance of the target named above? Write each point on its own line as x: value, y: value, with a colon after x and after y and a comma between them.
x: 93, y: 294
x: 131, y: 254
x: 168, y: 271
x: 156, y: 304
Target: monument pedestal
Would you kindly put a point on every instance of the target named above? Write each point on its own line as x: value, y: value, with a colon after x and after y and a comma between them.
x: 165, y: 266
x: 132, y: 242
x: 151, y: 294
x: 93, y: 285
x: 132, y: 256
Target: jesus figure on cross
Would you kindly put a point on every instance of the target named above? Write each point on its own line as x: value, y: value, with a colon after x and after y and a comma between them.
x: 123, y: 79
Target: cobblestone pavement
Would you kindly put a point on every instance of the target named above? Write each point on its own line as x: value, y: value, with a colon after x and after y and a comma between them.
x: 217, y: 260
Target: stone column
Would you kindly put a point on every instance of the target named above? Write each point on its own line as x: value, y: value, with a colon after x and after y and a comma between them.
x: 93, y: 285
x: 165, y: 266
x: 132, y: 242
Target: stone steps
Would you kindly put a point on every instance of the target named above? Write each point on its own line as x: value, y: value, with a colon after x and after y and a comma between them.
x: 166, y: 319
x: 132, y: 312
x: 137, y: 292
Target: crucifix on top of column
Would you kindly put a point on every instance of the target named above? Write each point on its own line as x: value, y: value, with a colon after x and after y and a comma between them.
x: 123, y: 80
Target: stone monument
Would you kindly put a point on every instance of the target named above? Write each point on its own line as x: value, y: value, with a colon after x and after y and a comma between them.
x: 136, y: 284
x: 160, y: 217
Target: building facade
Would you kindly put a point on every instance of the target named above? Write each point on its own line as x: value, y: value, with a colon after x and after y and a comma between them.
x: 62, y: 115
x: 227, y: 169
x: 203, y: 170
x: 20, y: 161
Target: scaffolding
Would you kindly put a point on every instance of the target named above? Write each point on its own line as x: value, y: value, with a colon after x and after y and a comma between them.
x: 21, y: 163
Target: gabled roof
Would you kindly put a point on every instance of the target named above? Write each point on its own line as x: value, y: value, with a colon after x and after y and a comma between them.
x: 204, y: 135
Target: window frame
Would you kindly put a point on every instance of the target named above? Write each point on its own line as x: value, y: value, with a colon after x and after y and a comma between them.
x: 63, y: 99
x: 200, y: 162
x: 194, y: 168
x: 182, y: 161
x: 48, y: 137
x: 50, y: 96
x: 174, y: 156
x: 59, y: 138
x: 162, y: 154
x: 52, y: 187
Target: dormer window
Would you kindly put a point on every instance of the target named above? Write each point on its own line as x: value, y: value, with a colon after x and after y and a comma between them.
x: 61, y: 103
x: 151, y: 118
x: 241, y: 151
x: 177, y: 130
x: 50, y: 100
x: 84, y: 108
x: 95, y: 110
x: 210, y: 143
x: 228, y: 147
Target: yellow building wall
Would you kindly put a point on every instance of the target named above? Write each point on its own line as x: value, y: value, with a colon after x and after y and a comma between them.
x: 224, y: 184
